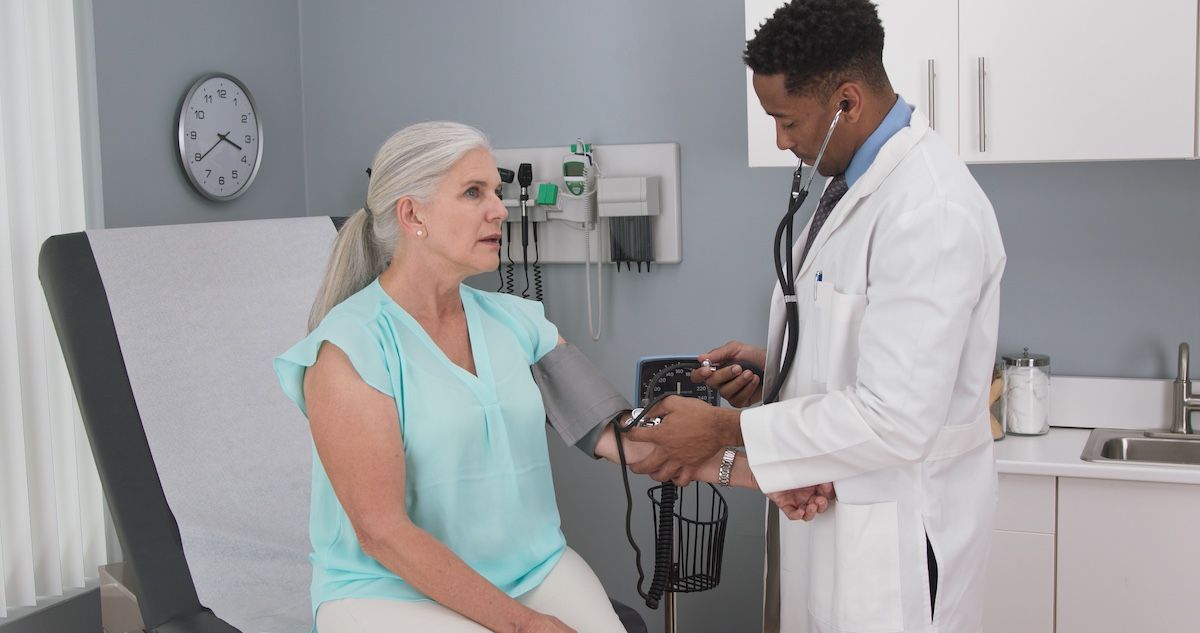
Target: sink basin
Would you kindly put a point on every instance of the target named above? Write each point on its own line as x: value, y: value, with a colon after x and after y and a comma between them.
x: 1135, y: 447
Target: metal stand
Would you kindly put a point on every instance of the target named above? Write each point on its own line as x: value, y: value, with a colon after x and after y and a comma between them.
x: 669, y: 611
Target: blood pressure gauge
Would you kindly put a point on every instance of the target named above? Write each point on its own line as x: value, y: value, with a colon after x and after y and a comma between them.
x: 676, y: 379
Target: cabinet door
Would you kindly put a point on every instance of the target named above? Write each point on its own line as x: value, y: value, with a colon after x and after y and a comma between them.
x: 760, y: 128
x: 1077, y: 79
x: 920, y: 53
x: 916, y: 32
x: 1020, y: 584
x: 1127, y: 556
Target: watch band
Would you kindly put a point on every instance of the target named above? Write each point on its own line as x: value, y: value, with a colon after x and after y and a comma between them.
x: 726, y: 466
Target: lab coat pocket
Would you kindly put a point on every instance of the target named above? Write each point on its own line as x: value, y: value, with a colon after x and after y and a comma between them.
x: 864, y: 571
x: 839, y: 317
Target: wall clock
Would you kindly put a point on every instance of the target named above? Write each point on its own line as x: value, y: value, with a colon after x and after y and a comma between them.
x: 220, y: 137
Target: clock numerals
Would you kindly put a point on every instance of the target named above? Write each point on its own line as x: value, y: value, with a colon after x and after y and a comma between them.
x: 220, y: 137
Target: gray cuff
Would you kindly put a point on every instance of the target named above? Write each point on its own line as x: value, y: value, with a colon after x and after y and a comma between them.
x: 588, y: 443
x: 579, y: 401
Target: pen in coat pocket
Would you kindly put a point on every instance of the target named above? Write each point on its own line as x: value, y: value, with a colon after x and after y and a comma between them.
x: 816, y: 280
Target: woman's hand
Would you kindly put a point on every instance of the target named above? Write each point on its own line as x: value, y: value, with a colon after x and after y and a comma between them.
x: 542, y: 623
x: 739, y: 386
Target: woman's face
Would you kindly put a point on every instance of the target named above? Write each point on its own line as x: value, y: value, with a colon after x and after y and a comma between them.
x: 463, y: 219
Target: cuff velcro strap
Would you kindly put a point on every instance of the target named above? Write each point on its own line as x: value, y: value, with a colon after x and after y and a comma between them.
x: 578, y: 399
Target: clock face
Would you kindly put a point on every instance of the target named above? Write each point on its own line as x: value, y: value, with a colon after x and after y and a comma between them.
x: 220, y: 137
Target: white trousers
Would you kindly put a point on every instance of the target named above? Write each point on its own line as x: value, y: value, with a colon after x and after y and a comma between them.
x: 572, y: 593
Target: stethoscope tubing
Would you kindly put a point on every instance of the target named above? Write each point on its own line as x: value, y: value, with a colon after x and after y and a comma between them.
x: 784, y: 269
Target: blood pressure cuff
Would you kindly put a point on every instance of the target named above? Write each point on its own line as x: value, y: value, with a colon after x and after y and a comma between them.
x: 579, y: 401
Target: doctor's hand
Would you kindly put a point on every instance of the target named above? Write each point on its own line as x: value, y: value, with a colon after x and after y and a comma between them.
x: 690, y: 433
x: 734, y: 382
x: 806, y: 503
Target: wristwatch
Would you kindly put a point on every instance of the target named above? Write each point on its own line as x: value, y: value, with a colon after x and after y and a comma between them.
x: 726, y: 466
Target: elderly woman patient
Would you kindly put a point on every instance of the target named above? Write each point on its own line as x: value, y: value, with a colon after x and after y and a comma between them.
x: 432, y: 503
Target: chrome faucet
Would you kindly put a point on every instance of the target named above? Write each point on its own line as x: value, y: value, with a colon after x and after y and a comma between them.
x: 1185, y: 402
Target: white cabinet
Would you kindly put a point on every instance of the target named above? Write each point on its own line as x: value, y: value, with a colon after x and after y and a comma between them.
x: 920, y: 55
x: 1072, y: 80
x: 1128, y: 556
x: 1062, y: 80
x: 760, y: 128
x: 1020, y: 574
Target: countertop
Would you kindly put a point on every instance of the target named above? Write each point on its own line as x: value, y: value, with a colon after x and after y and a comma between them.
x: 1057, y: 454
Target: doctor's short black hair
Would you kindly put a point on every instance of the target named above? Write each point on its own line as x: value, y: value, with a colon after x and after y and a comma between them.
x: 819, y: 44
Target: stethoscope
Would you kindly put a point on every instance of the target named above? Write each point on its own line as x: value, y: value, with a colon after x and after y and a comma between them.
x: 783, y: 257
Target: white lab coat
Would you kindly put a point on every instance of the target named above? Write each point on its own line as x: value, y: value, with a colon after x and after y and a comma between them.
x: 887, y: 398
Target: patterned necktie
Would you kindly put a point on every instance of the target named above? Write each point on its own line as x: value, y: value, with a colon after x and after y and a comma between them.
x: 834, y: 192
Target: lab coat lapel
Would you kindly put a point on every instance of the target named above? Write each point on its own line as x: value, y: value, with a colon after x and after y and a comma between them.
x: 890, y: 155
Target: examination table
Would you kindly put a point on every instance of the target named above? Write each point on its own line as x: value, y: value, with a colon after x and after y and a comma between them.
x: 168, y: 333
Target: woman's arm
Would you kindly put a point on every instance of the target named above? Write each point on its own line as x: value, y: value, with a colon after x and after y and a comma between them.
x: 357, y: 435
x: 607, y: 446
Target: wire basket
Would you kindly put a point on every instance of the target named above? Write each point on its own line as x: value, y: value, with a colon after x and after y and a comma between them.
x: 697, y: 532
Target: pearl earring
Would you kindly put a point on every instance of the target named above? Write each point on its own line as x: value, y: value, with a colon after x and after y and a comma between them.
x: 420, y: 232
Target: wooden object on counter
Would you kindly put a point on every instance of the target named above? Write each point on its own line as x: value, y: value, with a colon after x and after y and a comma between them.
x: 993, y: 396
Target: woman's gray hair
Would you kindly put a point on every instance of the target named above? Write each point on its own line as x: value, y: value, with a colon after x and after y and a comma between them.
x: 411, y: 163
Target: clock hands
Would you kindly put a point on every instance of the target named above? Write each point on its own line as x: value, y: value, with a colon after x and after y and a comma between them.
x: 220, y: 137
x: 225, y: 137
x: 214, y: 146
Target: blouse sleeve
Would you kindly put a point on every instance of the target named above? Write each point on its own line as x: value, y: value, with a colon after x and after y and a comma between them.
x: 529, y: 322
x: 353, y: 337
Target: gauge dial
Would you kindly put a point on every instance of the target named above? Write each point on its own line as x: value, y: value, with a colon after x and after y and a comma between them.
x: 676, y: 380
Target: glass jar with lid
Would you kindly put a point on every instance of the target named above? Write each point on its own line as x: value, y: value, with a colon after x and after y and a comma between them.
x: 1026, y: 394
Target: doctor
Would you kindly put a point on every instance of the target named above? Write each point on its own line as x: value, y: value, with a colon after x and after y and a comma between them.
x: 898, y: 288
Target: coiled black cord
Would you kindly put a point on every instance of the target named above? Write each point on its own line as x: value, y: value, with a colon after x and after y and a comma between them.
x: 525, y: 266
x: 664, y: 541
x: 537, y: 267
x: 500, y: 263
x: 508, y: 268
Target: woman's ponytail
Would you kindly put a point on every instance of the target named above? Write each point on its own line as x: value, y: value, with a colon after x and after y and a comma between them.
x: 356, y: 261
x: 411, y: 163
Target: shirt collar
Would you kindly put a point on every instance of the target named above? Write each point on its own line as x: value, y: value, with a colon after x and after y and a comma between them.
x: 897, y: 119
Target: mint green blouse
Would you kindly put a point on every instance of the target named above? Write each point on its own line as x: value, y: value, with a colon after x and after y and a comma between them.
x: 477, y: 465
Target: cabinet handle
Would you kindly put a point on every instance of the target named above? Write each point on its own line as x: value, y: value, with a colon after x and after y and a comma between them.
x: 932, y: 97
x: 982, y: 106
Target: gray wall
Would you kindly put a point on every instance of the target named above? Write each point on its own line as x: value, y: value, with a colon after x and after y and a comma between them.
x: 1099, y: 254
x: 148, y: 53
x: 1103, y: 257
